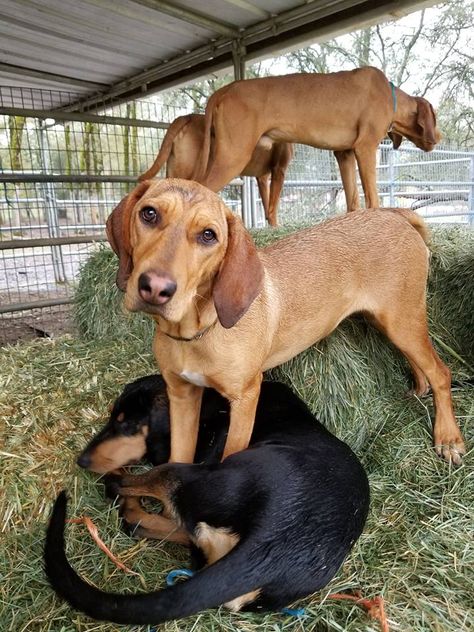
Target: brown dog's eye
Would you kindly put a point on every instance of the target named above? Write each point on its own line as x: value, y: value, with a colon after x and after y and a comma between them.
x: 208, y: 236
x: 149, y: 215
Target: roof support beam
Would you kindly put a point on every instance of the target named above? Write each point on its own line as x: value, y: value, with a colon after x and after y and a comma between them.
x: 48, y: 76
x: 193, y: 17
x: 320, y: 19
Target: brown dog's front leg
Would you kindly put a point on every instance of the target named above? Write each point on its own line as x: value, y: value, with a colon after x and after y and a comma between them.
x: 185, y: 406
x: 242, y: 418
x: 366, y: 161
x: 347, y: 166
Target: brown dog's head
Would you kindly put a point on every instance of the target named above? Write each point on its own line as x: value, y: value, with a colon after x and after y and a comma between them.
x: 421, y: 126
x: 178, y: 243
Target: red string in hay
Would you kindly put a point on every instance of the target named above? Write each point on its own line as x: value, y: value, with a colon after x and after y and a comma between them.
x: 100, y: 543
x: 375, y: 607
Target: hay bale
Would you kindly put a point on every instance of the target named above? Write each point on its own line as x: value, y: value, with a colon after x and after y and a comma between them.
x: 352, y: 373
x: 414, y: 550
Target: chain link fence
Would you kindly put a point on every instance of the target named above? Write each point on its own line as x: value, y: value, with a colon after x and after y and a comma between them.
x: 61, y: 173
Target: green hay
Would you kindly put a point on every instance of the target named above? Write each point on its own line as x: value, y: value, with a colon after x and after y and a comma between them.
x: 350, y: 373
x: 416, y: 547
x: 415, y: 550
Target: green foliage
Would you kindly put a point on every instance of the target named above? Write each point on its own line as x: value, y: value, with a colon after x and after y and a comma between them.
x: 16, y: 125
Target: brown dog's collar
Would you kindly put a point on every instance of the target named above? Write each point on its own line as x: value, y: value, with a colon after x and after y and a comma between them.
x: 197, y: 336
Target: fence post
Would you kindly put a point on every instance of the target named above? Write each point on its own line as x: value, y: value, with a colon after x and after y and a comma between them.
x: 52, y: 218
x: 471, y: 193
x: 391, y: 176
x: 247, y: 202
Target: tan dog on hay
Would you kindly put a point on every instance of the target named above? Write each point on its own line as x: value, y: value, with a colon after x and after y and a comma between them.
x: 226, y: 311
x: 182, y: 145
x: 349, y: 112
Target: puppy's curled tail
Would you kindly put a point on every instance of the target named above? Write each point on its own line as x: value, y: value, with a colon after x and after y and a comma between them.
x: 166, y: 146
x: 416, y: 221
x: 221, y: 582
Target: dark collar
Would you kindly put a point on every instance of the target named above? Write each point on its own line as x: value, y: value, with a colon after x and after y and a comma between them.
x: 197, y: 336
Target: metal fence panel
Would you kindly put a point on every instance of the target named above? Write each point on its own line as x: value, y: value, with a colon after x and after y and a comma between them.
x: 60, y: 178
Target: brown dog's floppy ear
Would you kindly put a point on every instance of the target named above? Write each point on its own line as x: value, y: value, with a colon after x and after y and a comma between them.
x: 240, y: 277
x: 426, y: 119
x: 117, y: 228
x: 396, y: 139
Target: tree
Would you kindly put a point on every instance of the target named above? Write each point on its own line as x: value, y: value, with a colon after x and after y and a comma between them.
x: 428, y: 54
x: 195, y: 96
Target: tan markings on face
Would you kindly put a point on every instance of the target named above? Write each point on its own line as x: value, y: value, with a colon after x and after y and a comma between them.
x: 114, y: 453
x: 120, y: 417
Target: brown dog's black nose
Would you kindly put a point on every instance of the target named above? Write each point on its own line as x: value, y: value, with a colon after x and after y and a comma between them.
x: 155, y: 288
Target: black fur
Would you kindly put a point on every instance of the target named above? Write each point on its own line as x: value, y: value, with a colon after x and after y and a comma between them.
x: 144, y: 402
x: 297, y: 498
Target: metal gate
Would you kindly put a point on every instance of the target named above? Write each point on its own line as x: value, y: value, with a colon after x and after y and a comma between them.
x: 61, y: 173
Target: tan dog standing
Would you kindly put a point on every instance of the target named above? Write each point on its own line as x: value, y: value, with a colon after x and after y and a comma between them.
x: 226, y: 311
x: 182, y: 145
x: 349, y: 112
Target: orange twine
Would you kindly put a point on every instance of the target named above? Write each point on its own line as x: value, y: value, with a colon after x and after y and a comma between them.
x: 100, y: 543
x: 375, y: 607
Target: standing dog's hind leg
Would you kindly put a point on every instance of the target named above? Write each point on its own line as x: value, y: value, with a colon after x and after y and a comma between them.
x: 409, y: 332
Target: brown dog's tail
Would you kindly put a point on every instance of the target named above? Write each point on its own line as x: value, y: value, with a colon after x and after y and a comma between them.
x: 200, y: 169
x: 203, y: 164
x: 415, y: 220
x: 166, y: 146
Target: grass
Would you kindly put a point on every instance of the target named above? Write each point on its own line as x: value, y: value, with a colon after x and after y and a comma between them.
x: 416, y: 549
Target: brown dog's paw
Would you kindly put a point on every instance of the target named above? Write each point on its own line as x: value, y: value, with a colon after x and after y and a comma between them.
x: 452, y: 450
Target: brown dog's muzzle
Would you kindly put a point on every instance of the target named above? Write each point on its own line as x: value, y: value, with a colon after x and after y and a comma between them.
x: 156, y: 289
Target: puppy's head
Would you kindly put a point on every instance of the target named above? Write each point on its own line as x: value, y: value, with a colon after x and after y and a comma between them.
x: 138, y: 427
x: 179, y: 244
x: 423, y: 130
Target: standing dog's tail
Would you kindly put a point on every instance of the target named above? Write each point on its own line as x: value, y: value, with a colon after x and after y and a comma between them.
x: 223, y: 581
x: 166, y: 146
x: 202, y: 165
x: 415, y: 220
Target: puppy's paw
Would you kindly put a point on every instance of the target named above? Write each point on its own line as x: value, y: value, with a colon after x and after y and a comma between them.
x: 112, y: 484
x: 132, y: 529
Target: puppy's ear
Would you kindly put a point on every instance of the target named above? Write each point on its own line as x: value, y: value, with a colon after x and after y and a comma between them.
x: 240, y: 277
x: 117, y: 228
x: 426, y: 119
x: 396, y: 139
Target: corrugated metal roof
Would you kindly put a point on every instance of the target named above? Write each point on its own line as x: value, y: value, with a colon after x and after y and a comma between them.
x: 90, y: 50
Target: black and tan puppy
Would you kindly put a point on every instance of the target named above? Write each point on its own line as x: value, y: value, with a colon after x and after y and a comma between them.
x: 139, y: 427
x: 273, y: 522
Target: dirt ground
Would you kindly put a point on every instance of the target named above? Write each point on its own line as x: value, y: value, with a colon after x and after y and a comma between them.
x: 49, y: 322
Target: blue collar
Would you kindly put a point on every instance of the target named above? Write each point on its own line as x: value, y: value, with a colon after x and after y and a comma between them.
x: 394, y: 96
